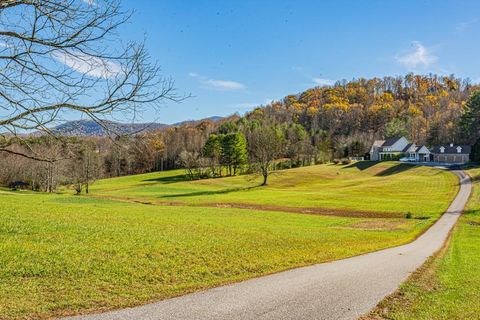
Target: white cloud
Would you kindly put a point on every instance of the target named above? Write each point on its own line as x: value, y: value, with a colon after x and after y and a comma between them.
x: 224, y: 84
x: 217, y: 84
x: 89, y: 2
x: 92, y: 66
x: 421, y: 56
x: 323, y: 82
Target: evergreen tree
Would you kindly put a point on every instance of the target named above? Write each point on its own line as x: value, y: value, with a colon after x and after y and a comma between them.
x: 470, y: 120
x: 475, y: 156
x: 234, y: 151
x: 213, y: 150
x: 396, y: 128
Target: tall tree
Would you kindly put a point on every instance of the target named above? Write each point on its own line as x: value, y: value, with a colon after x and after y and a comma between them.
x: 395, y: 128
x: 213, y: 150
x: 470, y: 119
x: 234, y: 151
x: 264, y: 145
x: 86, y: 166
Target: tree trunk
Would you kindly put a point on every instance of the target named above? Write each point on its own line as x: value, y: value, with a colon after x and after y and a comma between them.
x: 265, y: 176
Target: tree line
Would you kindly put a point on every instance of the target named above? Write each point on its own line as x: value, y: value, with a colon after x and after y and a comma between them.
x: 315, y: 126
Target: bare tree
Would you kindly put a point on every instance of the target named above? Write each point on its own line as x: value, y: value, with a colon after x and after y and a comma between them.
x: 264, y: 146
x: 86, y: 166
x: 64, y: 57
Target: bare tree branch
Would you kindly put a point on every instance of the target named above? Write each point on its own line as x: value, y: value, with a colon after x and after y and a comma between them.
x: 64, y: 57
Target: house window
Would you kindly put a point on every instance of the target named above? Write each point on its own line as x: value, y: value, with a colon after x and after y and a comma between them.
x: 459, y: 149
x: 442, y: 149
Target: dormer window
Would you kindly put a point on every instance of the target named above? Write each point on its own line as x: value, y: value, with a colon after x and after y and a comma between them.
x: 442, y: 149
x: 459, y: 149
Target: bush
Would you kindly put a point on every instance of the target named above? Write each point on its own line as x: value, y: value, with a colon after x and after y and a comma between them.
x: 346, y: 161
x: 409, y: 215
x: 336, y: 161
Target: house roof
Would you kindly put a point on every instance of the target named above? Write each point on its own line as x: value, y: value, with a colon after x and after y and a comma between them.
x: 417, y: 149
x: 409, y: 147
x: 391, y: 141
x: 451, y: 149
x: 378, y: 143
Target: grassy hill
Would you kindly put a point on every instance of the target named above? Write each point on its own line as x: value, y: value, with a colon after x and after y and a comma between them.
x: 361, y: 189
x: 62, y: 254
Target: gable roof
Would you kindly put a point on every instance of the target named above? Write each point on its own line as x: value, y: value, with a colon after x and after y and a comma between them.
x: 453, y: 149
x: 410, y: 147
x: 417, y: 149
x: 391, y: 141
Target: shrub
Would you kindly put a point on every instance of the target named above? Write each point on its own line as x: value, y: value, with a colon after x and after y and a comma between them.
x: 336, y: 161
x: 409, y: 215
x: 346, y: 161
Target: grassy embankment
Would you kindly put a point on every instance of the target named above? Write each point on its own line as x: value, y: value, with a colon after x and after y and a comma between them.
x: 62, y: 254
x: 448, y: 285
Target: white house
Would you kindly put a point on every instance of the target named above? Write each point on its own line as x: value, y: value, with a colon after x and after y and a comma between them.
x: 400, y: 147
x: 390, y: 149
x: 422, y: 154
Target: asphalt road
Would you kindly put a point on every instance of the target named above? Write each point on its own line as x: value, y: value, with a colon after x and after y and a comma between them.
x: 343, y: 289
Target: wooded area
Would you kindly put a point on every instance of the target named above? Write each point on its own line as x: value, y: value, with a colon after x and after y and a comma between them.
x: 315, y: 126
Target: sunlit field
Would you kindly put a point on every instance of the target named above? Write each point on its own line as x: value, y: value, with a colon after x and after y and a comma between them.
x: 367, y: 187
x: 62, y: 254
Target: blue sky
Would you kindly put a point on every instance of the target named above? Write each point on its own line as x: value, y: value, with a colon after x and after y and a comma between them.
x: 234, y: 55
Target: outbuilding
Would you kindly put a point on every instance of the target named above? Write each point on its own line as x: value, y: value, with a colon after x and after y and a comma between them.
x: 452, y: 153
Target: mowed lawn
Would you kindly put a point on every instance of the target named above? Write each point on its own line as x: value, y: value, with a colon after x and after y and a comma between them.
x: 365, y: 186
x: 448, y: 285
x: 62, y: 254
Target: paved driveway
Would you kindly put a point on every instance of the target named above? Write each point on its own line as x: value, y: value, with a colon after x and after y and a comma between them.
x: 343, y: 289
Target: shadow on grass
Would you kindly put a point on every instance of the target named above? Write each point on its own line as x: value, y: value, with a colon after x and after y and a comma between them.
x: 475, y: 178
x: 471, y: 212
x: 399, y: 168
x: 170, y: 179
x: 362, y: 165
x: 208, y: 193
x: 421, y: 218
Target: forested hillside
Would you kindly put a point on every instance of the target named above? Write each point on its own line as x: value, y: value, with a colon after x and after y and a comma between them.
x: 315, y: 126
x: 424, y: 108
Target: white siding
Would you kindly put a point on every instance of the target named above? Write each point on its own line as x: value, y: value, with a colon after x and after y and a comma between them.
x: 399, y: 145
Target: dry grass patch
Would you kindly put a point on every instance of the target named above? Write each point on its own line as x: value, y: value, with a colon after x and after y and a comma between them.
x: 379, y: 225
x: 314, y: 211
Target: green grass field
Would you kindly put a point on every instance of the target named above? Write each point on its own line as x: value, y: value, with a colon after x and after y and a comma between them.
x: 364, y: 186
x: 62, y: 254
x: 448, y: 285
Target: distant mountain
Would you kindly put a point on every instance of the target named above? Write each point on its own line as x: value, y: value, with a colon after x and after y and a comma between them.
x: 83, y: 128
x: 213, y: 118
